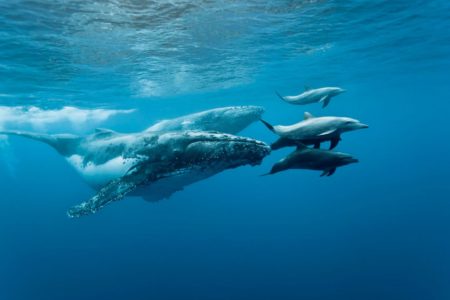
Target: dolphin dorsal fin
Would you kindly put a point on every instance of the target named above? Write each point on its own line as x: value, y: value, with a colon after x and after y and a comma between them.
x: 307, y: 115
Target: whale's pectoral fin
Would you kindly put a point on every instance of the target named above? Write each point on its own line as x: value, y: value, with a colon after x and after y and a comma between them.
x: 116, y: 190
x: 334, y: 142
x: 325, y: 101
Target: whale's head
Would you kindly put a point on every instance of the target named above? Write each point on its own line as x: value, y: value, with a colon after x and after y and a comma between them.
x: 205, y: 150
x: 223, y: 150
x: 349, y: 124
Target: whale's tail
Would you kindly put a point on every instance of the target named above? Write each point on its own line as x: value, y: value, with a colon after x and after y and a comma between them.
x: 268, y: 125
x: 63, y: 143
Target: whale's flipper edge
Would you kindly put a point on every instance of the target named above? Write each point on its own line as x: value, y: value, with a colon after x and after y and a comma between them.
x: 117, y: 189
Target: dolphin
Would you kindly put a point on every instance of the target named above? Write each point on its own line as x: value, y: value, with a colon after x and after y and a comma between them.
x: 313, y: 159
x: 322, y: 95
x: 313, y: 131
x: 232, y: 119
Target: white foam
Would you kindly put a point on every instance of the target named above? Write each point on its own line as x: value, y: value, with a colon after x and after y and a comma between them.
x: 16, y: 117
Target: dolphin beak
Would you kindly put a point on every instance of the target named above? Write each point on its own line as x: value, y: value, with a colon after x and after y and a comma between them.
x: 364, y: 126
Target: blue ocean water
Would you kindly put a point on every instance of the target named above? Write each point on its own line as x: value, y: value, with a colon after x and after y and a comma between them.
x: 378, y: 229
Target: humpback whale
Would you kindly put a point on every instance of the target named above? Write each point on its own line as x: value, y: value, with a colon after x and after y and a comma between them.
x: 313, y: 131
x: 232, y: 119
x: 321, y: 95
x: 110, y: 161
x: 153, y: 165
x: 173, y: 155
x: 313, y: 159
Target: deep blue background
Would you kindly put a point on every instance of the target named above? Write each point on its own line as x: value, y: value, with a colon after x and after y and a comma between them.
x: 378, y: 229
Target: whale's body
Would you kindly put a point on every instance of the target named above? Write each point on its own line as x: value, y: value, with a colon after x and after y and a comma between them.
x: 322, y: 95
x: 99, y: 157
x: 314, y: 130
x: 232, y: 119
x: 166, y: 162
x: 106, y: 155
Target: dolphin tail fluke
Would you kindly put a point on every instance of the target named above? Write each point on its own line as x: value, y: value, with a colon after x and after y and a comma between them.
x: 279, y: 96
x: 60, y: 142
x: 268, y: 125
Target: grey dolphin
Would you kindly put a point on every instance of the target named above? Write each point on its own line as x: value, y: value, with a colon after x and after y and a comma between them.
x: 313, y: 131
x: 322, y: 95
x: 313, y: 159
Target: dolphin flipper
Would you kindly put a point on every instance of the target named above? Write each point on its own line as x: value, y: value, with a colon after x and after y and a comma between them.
x: 325, y: 100
x: 328, y: 172
x: 334, y: 142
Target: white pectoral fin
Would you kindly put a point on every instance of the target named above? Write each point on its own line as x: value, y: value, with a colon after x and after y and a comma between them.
x: 113, y: 191
x: 116, y: 190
